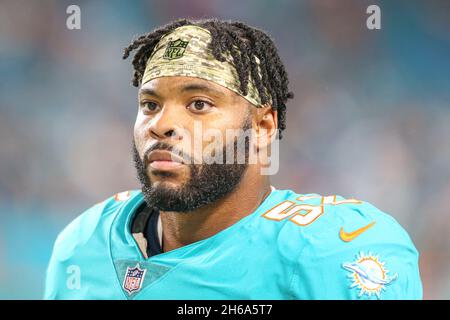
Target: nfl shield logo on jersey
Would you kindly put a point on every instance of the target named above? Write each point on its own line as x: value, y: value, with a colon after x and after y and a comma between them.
x: 134, y: 277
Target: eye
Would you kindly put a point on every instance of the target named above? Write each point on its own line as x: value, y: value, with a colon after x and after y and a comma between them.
x: 200, y: 106
x: 149, y: 106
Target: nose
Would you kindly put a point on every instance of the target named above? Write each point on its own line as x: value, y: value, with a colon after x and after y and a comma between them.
x: 167, y: 124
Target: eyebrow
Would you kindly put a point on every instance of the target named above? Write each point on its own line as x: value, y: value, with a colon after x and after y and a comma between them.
x: 148, y: 91
x: 201, y: 87
x: 186, y: 88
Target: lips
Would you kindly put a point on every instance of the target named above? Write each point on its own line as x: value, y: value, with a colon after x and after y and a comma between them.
x: 164, y: 160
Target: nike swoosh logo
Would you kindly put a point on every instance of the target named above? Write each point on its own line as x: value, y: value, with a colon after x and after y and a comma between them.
x: 349, y: 236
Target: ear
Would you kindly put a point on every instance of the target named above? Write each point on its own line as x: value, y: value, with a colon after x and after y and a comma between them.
x: 266, y: 125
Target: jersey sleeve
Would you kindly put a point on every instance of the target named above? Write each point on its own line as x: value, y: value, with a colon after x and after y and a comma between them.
x: 70, y: 254
x: 360, y: 253
x: 62, y: 271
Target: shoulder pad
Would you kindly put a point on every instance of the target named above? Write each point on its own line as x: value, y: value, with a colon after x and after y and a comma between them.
x: 80, y: 230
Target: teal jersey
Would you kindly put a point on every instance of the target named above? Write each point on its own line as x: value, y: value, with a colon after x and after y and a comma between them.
x: 293, y: 246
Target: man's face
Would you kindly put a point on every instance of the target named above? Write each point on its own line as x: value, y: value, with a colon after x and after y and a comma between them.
x: 169, y: 143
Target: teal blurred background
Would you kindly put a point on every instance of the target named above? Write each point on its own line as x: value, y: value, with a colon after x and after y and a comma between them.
x: 371, y: 116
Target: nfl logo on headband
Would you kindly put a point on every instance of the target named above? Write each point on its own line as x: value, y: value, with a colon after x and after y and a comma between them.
x: 175, y: 49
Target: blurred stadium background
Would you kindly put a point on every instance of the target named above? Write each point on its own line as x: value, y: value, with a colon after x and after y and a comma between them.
x: 371, y: 117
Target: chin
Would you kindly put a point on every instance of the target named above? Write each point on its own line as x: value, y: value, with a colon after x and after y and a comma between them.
x: 169, y: 183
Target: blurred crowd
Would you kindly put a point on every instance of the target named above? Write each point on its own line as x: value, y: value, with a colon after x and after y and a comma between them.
x: 370, y: 118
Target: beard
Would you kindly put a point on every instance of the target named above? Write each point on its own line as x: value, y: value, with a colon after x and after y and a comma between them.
x: 207, y: 183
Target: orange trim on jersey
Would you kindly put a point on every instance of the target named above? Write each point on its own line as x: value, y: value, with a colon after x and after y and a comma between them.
x: 354, y: 201
x: 266, y: 214
x: 122, y: 196
x: 304, y: 198
x: 327, y: 201
x: 304, y: 215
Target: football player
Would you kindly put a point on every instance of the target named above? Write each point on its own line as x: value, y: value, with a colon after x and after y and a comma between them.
x: 201, y: 229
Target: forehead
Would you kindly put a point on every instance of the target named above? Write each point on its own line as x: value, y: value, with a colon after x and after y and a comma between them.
x: 183, y: 84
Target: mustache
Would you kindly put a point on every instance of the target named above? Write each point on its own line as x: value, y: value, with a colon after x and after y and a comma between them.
x: 162, y: 146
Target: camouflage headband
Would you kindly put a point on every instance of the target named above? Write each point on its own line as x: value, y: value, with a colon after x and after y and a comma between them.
x: 185, y: 52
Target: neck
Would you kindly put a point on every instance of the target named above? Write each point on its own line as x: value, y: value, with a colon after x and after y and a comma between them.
x: 183, y: 228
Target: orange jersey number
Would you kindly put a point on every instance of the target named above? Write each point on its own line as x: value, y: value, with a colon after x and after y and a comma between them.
x: 303, y: 214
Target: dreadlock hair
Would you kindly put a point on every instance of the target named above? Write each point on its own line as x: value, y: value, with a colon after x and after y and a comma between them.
x: 243, y: 43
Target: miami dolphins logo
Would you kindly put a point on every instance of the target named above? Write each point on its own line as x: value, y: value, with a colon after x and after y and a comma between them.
x: 369, y: 274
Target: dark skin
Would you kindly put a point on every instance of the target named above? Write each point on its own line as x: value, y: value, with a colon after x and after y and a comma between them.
x: 169, y: 105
